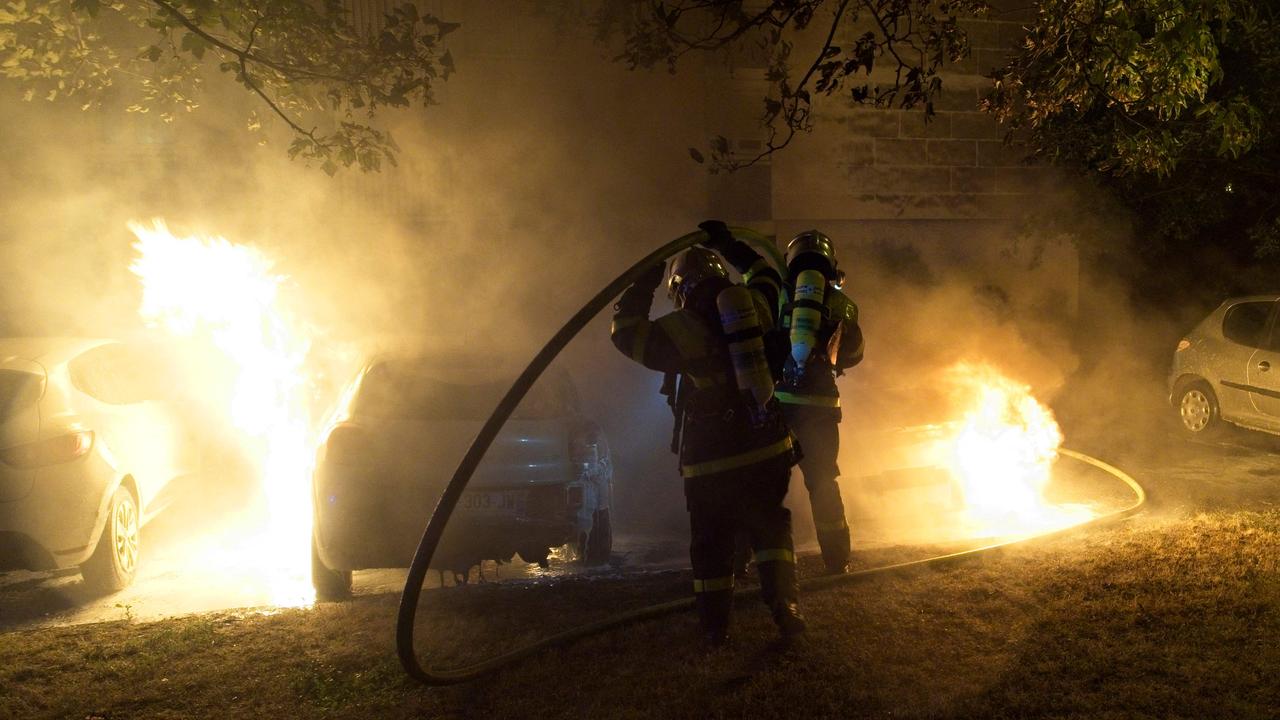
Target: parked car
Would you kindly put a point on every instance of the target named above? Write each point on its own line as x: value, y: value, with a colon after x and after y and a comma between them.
x: 89, y: 445
x: 1228, y: 369
x: 406, y: 422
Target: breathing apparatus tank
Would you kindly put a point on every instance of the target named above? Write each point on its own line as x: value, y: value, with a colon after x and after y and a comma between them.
x: 742, y: 328
x: 806, y: 317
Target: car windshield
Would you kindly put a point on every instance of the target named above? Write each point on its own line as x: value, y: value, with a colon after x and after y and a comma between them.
x: 411, y: 391
x: 18, y: 390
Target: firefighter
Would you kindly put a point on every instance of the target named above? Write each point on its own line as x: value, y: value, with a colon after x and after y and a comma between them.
x: 734, y: 447
x: 822, y: 324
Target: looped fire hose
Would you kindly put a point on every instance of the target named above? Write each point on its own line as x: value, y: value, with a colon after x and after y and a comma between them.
x: 453, y: 491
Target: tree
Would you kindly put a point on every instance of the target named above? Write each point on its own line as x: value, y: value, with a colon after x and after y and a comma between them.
x: 882, y: 53
x: 304, y: 61
x: 1170, y: 103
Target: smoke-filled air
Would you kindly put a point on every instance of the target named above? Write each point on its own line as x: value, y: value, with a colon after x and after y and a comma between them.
x: 527, y: 188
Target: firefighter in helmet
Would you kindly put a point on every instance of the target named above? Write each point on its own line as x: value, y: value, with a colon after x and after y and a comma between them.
x: 822, y: 324
x: 734, y: 447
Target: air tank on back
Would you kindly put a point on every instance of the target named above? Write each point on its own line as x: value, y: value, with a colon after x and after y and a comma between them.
x: 806, y: 316
x: 742, y: 327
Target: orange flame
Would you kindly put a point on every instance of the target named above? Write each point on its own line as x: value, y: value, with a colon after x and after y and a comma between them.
x: 226, y: 297
x: 1002, y: 456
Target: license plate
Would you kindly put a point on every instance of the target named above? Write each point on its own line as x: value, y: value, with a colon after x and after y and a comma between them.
x: 480, y: 502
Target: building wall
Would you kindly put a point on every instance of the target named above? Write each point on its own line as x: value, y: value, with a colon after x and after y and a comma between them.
x: 948, y: 186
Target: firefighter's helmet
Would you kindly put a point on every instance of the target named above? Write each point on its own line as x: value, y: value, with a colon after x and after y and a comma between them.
x: 690, y: 270
x: 811, y: 250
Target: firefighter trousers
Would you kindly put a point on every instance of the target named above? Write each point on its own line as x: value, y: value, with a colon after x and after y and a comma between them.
x: 818, y: 430
x: 746, y: 500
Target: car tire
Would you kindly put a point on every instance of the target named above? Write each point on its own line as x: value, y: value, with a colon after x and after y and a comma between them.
x: 1197, y: 410
x: 599, y: 540
x: 331, y: 585
x: 114, y: 562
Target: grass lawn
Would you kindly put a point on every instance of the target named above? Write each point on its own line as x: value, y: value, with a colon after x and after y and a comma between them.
x: 1158, y: 617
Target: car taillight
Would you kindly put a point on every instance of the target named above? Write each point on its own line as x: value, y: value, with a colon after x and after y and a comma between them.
x: 54, y: 451
x: 346, y: 445
x: 1183, y: 344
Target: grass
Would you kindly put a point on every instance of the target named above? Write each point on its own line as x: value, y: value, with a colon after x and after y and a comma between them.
x: 1159, y: 617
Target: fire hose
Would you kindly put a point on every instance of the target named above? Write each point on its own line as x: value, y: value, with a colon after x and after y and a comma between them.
x: 479, y: 446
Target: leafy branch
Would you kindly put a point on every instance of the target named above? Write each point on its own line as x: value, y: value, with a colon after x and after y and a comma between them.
x: 894, y: 64
x: 325, y: 79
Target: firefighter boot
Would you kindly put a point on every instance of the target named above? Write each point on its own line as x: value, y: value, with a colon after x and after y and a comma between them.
x: 829, y: 521
x: 714, y: 609
x: 779, y: 591
x: 788, y: 619
x: 835, y: 549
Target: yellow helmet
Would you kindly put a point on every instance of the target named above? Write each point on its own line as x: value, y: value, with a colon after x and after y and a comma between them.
x: 812, y: 250
x: 690, y: 270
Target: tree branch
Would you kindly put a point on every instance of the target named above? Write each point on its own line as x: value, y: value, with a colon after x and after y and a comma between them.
x: 793, y: 111
x: 242, y: 54
x: 252, y: 85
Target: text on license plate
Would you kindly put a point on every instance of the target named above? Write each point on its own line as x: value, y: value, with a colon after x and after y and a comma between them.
x: 479, y: 501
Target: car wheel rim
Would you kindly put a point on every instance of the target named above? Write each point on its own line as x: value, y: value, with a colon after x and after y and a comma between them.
x: 1196, y: 410
x: 125, y: 536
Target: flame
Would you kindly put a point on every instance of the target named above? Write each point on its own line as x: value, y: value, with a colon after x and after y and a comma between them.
x: 225, y: 298
x: 1002, y: 456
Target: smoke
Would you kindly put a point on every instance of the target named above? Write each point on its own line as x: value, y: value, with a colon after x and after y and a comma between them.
x: 1044, y: 299
x: 541, y: 175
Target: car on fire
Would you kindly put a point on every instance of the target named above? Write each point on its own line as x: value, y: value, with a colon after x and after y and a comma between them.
x: 1227, y: 369
x: 404, y: 423
x: 90, y: 444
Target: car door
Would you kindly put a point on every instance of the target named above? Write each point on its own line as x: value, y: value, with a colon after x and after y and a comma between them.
x: 1263, y: 372
x: 133, y: 427
x: 1244, y: 326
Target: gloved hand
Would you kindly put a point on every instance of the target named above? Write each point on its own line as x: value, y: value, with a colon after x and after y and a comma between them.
x: 650, y: 279
x: 718, y: 236
x: 637, y: 299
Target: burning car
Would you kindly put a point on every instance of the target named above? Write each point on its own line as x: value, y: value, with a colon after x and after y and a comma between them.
x: 89, y: 447
x: 982, y: 469
x: 402, y: 426
x: 1228, y: 369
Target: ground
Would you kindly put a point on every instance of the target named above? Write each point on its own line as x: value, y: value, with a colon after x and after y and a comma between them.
x: 1171, y: 614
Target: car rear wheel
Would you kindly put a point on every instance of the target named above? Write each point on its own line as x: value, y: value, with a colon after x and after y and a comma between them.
x: 330, y: 584
x: 114, y: 562
x: 599, y: 540
x: 1198, y: 411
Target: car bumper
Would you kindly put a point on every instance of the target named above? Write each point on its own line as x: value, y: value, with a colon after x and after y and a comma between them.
x: 380, y: 529
x: 56, y: 524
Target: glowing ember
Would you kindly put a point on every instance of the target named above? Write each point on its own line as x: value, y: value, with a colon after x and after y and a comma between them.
x: 1003, y: 455
x: 224, y: 298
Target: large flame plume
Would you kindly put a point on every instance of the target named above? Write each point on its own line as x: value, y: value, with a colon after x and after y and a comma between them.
x: 1002, y: 455
x: 225, y: 300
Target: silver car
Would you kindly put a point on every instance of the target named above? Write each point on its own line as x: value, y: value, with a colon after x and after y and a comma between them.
x: 1228, y: 369
x: 89, y: 445
x: 406, y: 422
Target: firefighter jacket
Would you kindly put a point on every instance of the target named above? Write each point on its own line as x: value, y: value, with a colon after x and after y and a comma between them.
x: 839, y: 347
x: 716, y: 433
